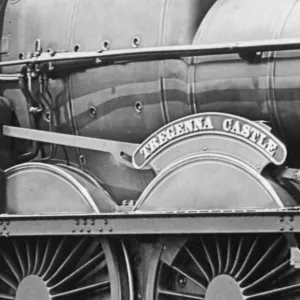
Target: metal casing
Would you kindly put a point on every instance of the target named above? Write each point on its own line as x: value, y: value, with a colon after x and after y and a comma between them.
x: 128, y: 102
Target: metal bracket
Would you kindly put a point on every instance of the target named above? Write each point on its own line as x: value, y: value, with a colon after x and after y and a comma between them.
x: 115, y: 148
x: 288, y: 173
x: 294, y: 250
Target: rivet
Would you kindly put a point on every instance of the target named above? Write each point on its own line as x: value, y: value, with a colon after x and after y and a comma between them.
x: 281, y: 228
x: 110, y: 229
x: 92, y: 222
x: 76, y: 48
x: 204, y: 148
x: 77, y: 222
x: 4, y: 227
x: 139, y: 296
x: 291, y: 228
x: 47, y: 116
x: 93, y: 111
x: 105, y: 222
x: 7, y: 233
x: 291, y: 218
x: 281, y: 219
x: 73, y: 230
x: 105, y: 45
x: 182, y: 281
x: 84, y: 222
x: 82, y: 159
x: 138, y: 107
x: 88, y: 229
x: 135, y: 42
x: 7, y: 223
x: 81, y: 229
x: 100, y: 229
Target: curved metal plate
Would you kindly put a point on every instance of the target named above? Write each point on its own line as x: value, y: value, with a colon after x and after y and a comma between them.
x: 43, y: 188
x: 100, y: 196
x: 215, y: 124
x: 210, y: 182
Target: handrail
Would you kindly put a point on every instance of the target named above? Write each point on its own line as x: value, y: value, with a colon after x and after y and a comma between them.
x: 162, y: 52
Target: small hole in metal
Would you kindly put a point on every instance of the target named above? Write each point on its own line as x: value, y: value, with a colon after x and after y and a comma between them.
x: 82, y: 159
x: 138, y: 106
x: 93, y: 111
x: 76, y: 48
x: 135, y: 42
x: 105, y: 45
x: 21, y: 55
x: 48, y: 116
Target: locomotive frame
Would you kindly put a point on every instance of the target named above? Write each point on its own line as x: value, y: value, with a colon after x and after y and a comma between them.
x: 128, y: 224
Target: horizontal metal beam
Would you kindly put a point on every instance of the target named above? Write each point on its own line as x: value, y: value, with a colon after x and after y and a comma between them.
x: 163, y: 52
x: 135, y: 223
x: 116, y: 148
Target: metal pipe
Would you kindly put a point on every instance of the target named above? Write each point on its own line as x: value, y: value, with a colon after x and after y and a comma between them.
x: 165, y: 52
x: 9, y: 77
x: 53, y: 123
x: 35, y: 145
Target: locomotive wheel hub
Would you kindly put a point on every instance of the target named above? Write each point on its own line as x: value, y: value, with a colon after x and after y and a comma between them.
x: 32, y: 288
x: 223, y: 287
x: 223, y: 267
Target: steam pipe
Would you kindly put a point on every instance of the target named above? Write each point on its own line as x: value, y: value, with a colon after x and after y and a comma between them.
x: 53, y: 123
x: 164, y: 52
x: 35, y: 145
x: 9, y: 77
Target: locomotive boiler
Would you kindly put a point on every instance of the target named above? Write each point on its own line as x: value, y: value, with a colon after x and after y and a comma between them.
x: 149, y: 149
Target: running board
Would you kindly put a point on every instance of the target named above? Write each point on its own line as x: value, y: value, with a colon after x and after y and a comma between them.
x: 121, y: 150
x: 149, y: 223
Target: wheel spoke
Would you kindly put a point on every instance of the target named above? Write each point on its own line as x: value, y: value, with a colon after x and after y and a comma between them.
x: 37, y: 257
x: 247, y: 259
x: 228, y: 256
x: 64, y: 267
x: 29, y: 259
x: 8, y: 281
x: 87, y: 289
x: 89, y: 252
x: 270, y: 274
x: 277, y: 291
x: 96, y: 270
x: 197, y: 263
x: 69, y: 259
x: 237, y: 257
x: 46, y: 254
x: 218, y: 254
x: 53, y: 262
x: 190, y: 277
x: 182, y: 295
x: 18, y: 254
x: 79, y: 272
x: 210, y: 261
x: 10, y: 263
x: 5, y: 296
x: 261, y: 260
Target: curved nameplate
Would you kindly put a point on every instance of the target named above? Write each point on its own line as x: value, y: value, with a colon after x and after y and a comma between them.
x: 213, y: 124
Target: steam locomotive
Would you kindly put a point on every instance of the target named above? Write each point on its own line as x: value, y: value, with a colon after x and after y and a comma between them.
x: 149, y: 149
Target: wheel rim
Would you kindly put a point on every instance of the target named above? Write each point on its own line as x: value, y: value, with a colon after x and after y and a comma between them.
x: 62, y: 268
x: 227, y: 267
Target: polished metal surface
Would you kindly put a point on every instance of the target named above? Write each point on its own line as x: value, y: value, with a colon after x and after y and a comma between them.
x: 151, y: 149
x: 128, y: 101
